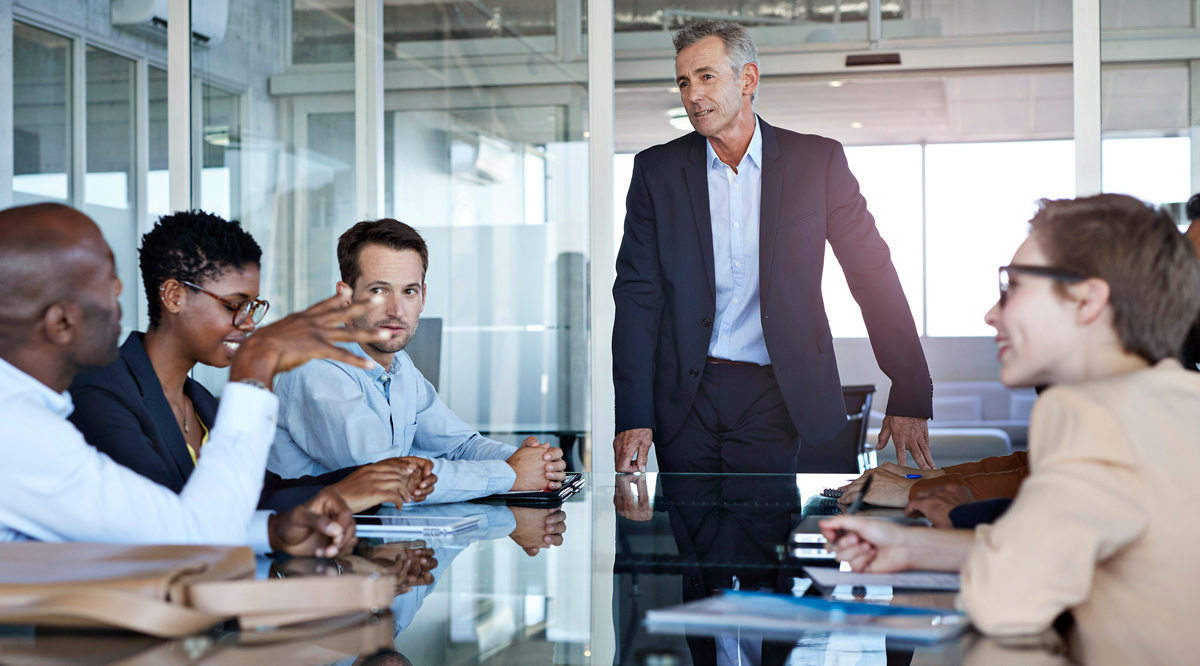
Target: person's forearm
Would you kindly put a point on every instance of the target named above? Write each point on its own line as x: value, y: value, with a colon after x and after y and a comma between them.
x: 982, y: 486
x: 1016, y: 460
x: 938, y: 550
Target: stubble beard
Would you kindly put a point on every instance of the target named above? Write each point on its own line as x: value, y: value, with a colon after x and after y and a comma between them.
x: 100, y: 346
x: 391, y: 346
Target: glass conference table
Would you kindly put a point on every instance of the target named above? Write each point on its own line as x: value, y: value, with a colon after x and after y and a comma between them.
x: 489, y: 596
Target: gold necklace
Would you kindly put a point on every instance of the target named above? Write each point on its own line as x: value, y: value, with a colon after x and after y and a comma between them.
x: 183, y: 412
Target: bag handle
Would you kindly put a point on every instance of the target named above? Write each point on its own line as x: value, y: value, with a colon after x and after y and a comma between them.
x: 114, y: 608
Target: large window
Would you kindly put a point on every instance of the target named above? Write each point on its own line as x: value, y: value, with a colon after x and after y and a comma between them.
x: 111, y: 168
x: 42, y: 116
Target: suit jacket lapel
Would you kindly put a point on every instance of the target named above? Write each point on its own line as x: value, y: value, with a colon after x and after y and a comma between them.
x: 156, y: 403
x: 770, y: 203
x: 696, y: 174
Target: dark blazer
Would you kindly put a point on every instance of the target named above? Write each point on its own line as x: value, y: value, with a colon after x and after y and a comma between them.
x: 121, y: 410
x: 665, y: 290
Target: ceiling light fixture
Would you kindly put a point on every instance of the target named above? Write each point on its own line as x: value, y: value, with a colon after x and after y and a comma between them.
x: 856, y: 125
x: 836, y: 83
x: 679, y: 119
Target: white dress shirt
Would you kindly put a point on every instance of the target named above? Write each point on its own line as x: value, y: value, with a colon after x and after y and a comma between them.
x: 56, y: 487
x: 336, y: 415
x: 734, y: 204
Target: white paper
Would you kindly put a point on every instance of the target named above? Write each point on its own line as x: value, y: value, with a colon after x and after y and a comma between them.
x: 911, y: 580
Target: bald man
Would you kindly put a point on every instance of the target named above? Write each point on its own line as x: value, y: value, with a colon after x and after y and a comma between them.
x: 58, y: 315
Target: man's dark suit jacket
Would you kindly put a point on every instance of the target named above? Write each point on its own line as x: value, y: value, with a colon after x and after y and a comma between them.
x: 665, y: 290
x: 121, y: 410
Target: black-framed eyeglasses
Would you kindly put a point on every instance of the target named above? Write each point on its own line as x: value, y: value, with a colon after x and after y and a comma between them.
x: 1052, y: 272
x: 253, y: 309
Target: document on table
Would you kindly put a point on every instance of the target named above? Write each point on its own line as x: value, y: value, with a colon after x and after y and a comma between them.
x: 908, y: 580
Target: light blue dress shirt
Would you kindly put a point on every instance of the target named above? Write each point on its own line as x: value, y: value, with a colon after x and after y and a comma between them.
x: 734, y: 204
x: 335, y: 415
x: 55, y: 487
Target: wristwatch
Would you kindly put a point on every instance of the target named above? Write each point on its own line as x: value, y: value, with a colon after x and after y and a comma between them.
x: 255, y: 383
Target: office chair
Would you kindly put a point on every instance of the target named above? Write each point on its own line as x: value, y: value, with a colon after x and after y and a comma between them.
x: 846, y: 452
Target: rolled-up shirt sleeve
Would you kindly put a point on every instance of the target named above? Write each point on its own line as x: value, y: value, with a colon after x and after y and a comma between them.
x: 1080, y: 505
x: 58, y: 488
x: 467, y: 464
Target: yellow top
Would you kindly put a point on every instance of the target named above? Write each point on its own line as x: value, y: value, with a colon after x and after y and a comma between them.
x: 203, y: 440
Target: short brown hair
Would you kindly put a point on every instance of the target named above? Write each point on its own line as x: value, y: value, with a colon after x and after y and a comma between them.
x: 392, y: 234
x: 1150, y: 268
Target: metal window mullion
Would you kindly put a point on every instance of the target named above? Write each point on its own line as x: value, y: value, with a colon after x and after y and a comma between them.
x: 1194, y: 120
x: 141, y: 172
x: 6, y: 104
x: 368, y: 109
x: 300, y: 208
x: 601, y: 137
x: 1085, y: 67
x: 78, y: 162
x: 197, y: 135
x: 179, y: 103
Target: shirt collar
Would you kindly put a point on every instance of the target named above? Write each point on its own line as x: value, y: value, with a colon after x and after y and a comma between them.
x: 376, y: 373
x: 59, y: 403
x: 753, y: 153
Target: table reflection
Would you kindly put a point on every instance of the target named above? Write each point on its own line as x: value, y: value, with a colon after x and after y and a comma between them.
x: 682, y: 538
x: 531, y: 586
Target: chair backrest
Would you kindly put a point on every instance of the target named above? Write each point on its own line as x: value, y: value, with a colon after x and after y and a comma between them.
x: 841, y: 455
x: 425, y: 349
x: 954, y: 446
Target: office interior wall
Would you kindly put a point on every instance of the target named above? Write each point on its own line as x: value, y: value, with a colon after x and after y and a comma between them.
x: 968, y: 74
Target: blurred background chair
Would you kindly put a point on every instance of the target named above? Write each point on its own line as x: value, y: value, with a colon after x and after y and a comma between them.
x: 846, y: 452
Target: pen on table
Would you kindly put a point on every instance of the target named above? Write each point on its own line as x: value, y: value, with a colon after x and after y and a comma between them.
x: 854, y: 507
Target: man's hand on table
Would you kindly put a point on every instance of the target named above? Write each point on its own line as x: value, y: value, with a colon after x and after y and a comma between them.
x: 538, y: 528
x: 538, y: 466
x: 398, y: 480
x: 411, y: 562
x: 630, y: 507
x: 631, y: 443
x: 887, y: 489
x: 322, y: 527
x: 937, y: 503
x: 910, y: 435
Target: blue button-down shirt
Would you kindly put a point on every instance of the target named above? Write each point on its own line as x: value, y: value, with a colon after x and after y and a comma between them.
x: 734, y: 203
x: 335, y: 415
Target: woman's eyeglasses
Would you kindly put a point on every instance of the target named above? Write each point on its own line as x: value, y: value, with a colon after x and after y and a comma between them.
x: 253, y: 309
x: 1052, y: 272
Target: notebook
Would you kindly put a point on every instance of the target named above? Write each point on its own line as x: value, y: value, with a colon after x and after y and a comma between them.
x: 777, y: 615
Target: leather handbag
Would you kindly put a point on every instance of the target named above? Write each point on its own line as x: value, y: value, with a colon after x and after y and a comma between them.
x: 167, y: 591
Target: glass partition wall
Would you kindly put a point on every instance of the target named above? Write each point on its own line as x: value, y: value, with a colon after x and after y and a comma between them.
x: 484, y: 152
x: 484, y: 146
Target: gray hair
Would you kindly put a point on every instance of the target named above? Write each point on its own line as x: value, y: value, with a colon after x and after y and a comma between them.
x: 739, y: 47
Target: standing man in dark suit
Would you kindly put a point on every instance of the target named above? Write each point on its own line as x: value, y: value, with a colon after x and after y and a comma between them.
x: 722, y: 352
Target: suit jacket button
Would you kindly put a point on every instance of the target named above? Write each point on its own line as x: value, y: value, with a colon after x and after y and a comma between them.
x: 694, y: 372
x: 706, y: 322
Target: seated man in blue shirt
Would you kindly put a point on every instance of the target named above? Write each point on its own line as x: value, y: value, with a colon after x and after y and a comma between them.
x: 334, y: 415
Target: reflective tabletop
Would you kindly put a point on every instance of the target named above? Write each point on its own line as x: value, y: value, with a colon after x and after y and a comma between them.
x: 568, y: 585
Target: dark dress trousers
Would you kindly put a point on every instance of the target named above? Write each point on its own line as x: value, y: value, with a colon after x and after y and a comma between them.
x: 121, y: 410
x: 665, y: 290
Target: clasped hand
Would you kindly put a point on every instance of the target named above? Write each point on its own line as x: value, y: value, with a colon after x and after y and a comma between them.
x: 538, y: 466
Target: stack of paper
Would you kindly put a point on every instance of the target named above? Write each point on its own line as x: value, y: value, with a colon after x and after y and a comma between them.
x: 908, y: 580
x: 777, y: 615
